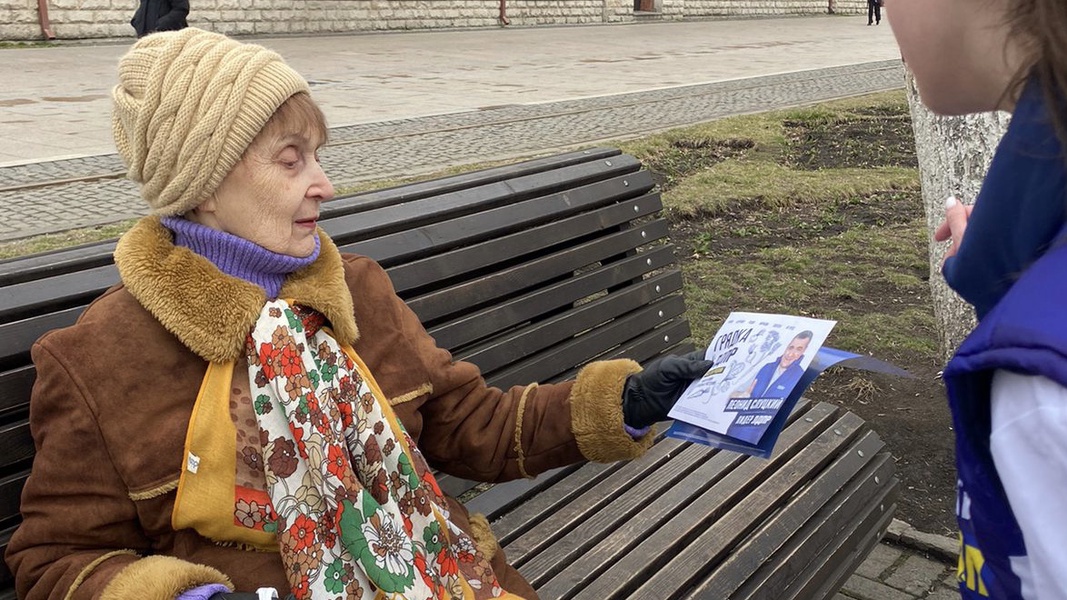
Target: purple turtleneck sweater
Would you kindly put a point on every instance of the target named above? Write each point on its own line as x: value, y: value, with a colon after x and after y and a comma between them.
x: 237, y: 256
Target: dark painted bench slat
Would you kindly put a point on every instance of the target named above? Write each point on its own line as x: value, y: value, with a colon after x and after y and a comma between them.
x: 345, y: 229
x: 587, y: 347
x: 446, y: 185
x: 539, y: 521
x: 7, y: 592
x: 10, y: 493
x: 34, y: 297
x: 443, y: 303
x: 56, y: 262
x: 468, y: 328
x: 505, y: 350
x: 15, y: 386
x: 561, y: 539
x: 413, y: 243
x: 16, y: 338
x: 849, y: 550
x: 16, y: 446
x: 668, y: 338
x: 529, y: 239
x: 503, y: 497
x: 644, y: 349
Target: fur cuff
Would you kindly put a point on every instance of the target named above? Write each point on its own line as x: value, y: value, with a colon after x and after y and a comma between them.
x: 483, y: 537
x: 160, y: 577
x: 596, y: 412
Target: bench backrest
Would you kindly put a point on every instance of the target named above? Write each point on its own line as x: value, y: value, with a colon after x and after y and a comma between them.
x: 529, y: 271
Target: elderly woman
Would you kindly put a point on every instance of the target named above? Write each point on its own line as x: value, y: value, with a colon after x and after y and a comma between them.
x: 250, y: 408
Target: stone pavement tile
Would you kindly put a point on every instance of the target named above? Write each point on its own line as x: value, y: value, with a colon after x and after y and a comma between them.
x: 952, y: 580
x: 916, y: 575
x: 881, y: 558
x: 944, y: 594
x: 862, y: 588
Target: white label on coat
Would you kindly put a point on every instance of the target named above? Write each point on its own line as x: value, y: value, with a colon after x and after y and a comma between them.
x: 193, y: 463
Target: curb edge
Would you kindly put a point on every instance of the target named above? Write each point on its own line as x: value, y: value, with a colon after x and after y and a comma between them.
x: 941, y: 547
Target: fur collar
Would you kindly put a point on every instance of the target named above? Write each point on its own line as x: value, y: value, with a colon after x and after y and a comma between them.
x: 212, y: 313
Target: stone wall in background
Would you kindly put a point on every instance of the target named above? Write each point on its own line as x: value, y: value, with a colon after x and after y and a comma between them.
x: 77, y: 19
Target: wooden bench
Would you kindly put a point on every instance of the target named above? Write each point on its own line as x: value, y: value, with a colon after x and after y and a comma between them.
x: 530, y: 271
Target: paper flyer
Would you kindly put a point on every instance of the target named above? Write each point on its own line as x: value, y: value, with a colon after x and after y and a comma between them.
x: 757, y: 361
x: 762, y: 364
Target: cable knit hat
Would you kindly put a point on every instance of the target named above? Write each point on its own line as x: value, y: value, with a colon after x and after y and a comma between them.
x: 187, y: 105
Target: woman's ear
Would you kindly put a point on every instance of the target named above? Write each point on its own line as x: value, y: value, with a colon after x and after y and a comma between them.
x: 209, y: 205
x: 204, y: 212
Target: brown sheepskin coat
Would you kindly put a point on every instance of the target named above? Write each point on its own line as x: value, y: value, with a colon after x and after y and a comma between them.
x: 115, y: 391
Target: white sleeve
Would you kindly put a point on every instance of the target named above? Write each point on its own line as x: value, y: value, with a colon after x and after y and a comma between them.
x: 1029, y: 446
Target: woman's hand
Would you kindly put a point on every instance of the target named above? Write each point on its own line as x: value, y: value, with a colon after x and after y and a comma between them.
x: 955, y: 223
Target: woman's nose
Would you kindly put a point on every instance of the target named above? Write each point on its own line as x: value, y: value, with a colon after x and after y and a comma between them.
x: 322, y: 188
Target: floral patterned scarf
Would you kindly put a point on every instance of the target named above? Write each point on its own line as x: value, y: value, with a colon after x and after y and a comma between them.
x: 355, y: 508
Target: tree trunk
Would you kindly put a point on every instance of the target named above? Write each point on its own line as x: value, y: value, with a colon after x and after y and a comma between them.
x: 954, y: 154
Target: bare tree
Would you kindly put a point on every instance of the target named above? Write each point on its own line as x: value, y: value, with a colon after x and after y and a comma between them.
x: 954, y: 154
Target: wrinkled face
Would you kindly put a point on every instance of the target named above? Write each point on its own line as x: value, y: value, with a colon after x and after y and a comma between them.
x: 958, y: 51
x: 272, y: 196
x: 794, y: 351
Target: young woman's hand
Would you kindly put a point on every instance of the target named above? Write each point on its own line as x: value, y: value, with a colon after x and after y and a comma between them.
x: 955, y: 223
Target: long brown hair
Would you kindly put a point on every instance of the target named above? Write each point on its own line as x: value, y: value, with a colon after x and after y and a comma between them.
x: 1041, y: 26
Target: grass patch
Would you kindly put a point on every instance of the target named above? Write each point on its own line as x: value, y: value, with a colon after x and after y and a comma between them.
x: 776, y: 160
x: 66, y: 239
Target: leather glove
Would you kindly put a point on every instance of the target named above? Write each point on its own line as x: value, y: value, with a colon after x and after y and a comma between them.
x: 648, y: 396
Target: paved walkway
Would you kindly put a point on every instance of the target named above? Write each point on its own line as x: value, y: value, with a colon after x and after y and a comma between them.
x: 907, y: 565
x: 405, y: 103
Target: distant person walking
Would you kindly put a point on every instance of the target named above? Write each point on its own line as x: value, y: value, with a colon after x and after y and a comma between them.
x: 160, y: 15
x: 874, y: 12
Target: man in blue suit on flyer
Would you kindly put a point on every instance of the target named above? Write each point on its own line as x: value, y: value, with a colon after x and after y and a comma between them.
x: 777, y: 378
x: 773, y: 382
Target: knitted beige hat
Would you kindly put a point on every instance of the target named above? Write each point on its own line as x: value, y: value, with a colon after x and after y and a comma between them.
x: 187, y: 105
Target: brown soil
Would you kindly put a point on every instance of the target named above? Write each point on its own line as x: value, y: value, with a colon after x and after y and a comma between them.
x: 910, y: 415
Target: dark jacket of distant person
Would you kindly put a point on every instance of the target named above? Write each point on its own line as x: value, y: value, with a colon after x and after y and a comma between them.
x: 160, y: 15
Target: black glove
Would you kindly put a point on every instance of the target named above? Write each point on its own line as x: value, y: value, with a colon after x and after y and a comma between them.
x: 648, y: 396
